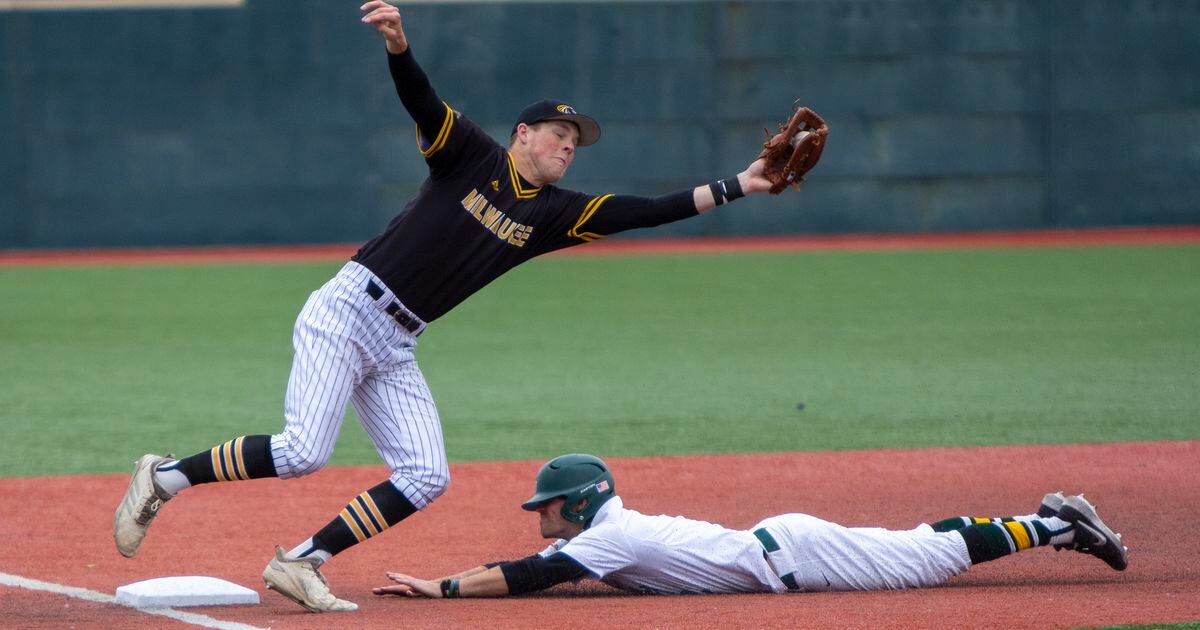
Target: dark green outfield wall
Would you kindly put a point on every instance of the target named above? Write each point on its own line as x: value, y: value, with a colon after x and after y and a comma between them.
x: 276, y: 122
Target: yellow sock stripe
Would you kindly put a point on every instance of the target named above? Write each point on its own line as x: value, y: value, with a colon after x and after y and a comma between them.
x: 227, y: 459
x: 1019, y: 535
x: 443, y: 133
x: 218, y: 469
x: 980, y: 521
x: 369, y: 526
x: 370, y: 503
x: 349, y: 521
x: 520, y: 191
x: 239, y: 464
x: 585, y: 216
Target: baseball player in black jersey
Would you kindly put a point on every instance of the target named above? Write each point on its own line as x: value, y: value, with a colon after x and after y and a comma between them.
x: 484, y: 209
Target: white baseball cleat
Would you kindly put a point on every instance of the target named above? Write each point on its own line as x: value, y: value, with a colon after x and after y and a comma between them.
x: 141, y: 503
x: 299, y: 580
x: 1092, y: 536
x: 1051, y: 504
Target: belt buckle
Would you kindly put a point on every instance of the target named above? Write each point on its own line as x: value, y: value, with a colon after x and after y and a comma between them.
x: 401, y: 316
x: 394, y: 309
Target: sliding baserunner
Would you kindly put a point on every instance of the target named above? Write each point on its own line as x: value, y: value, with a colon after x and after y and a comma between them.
x: 597, y: 537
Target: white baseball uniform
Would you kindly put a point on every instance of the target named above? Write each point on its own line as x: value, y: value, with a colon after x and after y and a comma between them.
x: 665, y: 554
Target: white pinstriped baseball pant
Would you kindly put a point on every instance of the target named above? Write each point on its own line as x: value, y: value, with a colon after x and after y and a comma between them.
x: 348, y: 349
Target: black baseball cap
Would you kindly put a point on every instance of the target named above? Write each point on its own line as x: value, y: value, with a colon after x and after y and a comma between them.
x: 550, y: 109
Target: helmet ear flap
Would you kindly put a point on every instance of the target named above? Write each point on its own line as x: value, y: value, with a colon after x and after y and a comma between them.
x: 575, y: 511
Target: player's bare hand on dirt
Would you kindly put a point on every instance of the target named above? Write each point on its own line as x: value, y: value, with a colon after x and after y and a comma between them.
x: 409, y: 586
x: 752, y: 179
x: 394, y: 589
x: 386, y: 19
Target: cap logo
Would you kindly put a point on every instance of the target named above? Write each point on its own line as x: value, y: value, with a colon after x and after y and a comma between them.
x: 566, y: 109
x: 602, y: 486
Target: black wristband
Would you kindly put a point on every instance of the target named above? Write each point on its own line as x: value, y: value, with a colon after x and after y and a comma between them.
x: 449, y: 589
x: 726, y: 190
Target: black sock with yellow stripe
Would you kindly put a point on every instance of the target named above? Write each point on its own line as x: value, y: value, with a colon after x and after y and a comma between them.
x: 365, y: 516
x: 246, y: 457
x: 988, y: 539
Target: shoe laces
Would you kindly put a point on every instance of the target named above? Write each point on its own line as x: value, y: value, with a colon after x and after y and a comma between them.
x: 148, y: 511
x: 311, y: 565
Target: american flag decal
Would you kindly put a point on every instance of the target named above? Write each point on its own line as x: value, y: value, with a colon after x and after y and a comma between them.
x: 602, y: 486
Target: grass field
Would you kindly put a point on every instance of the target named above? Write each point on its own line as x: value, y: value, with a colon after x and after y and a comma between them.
x: 632, y: 356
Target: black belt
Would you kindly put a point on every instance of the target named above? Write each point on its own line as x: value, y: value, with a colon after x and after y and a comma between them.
x: 770, y: 546
x: 397, y: 312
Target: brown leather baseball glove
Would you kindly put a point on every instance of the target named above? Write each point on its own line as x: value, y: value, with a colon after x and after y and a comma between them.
x: 795, y: 150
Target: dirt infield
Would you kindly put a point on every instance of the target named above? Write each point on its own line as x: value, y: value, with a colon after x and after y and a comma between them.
x: 1155, y: 235
x: 59, y: 530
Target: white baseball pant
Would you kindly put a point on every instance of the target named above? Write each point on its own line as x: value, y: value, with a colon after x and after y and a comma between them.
x: 825, y: 556
x: 349, y: 349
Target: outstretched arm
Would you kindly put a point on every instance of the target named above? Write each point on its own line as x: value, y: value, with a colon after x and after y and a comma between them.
x: 486, y: 583
x: 403, y: 589
x: 412, y: 86
x: 609, y: 214
x: 749, y: 181
x: 386, y: 19
x: 506, y: 578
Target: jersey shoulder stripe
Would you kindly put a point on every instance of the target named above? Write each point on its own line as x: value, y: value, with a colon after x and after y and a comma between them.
x: 584, y: 216
x: 443, y: 133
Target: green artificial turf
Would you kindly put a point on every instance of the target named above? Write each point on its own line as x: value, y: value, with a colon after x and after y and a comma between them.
x: 632, y: 356
x: 1183, y: 625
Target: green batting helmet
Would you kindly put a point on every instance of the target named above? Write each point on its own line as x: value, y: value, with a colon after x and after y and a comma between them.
x: 573, y: 477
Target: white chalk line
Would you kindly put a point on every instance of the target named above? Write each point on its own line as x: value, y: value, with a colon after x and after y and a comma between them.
x: 195, y: 619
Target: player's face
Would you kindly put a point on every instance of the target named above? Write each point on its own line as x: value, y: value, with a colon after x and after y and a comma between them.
x: 552, y: 149
x: 552, y: 522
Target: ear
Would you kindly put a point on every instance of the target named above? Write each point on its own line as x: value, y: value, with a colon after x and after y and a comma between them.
x: 579, y: 507
x: 522, y: 134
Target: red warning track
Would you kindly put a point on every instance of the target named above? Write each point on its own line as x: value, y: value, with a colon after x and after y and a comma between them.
x: 59, y: 529
x: 1164, y: 235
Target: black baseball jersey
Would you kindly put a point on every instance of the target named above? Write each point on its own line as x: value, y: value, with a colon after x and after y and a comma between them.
x: 475, y: 217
